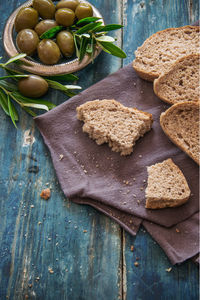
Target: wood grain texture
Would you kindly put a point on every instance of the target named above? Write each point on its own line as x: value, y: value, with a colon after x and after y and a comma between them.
x: 59, y: 250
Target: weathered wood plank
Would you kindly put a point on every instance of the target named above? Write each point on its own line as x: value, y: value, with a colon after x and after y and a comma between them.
x: 45, y: 253
x: 150, y: 280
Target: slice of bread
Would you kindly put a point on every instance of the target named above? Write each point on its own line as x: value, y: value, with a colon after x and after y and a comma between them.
x: 163, y: 48
x: 108, y: 121
x: 181, y: 124
x: 181, y: 82
x: 166, y: 186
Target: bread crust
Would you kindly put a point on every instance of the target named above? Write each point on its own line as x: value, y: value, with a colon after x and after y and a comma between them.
x: 150, y: 76
x: 158, y: 81
x: 164, y: 115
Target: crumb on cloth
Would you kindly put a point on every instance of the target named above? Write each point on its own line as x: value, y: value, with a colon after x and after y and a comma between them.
x: 45, y: 194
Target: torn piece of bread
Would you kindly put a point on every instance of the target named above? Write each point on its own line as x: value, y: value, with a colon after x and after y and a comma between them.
x: 181, y: 124
x: 167, y: 186
x: 108, y: 121
x: 163, y: 48
x: 181, y: 82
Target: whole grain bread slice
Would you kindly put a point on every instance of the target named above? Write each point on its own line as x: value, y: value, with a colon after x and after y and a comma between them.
x: 181, y: 124
x: 166, y: 186
x: 181, y: 82
x: 163, y: 48
x: 108, y: 121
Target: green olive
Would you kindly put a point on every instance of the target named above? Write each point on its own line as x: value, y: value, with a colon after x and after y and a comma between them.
x: 83, y: 10
x: 44, y: 25
x: 27, y: 41
x: 48, y: 52
x: 27, y: 17
x: 45, y: 8
x: 72, y: 4
x: 65, y: 16
x: 65, y: 42
x: 33, y: 86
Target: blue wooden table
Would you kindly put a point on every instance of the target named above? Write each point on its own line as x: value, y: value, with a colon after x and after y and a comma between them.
x: 57, y: 250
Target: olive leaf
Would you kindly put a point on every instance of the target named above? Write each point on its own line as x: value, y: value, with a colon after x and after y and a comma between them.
x: 13, y: 76
x: 8, y: 86
x: 12, y: 111
x: 105, y: 38
x: 4, y: 102
x: 35, y: 105
x: 88, y: 27
x: 51, y: 33
x: 76, y: 45
x: 109, y: 27
x: 73, y: 87
x: 87, y: 20
x: 83, y: 47
x: 15, y: 58
x: 58, y: 86
x: 112, y: 49
x: 23, y: 99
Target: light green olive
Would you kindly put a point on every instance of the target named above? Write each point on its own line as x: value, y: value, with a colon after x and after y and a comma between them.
x: 27, y: 41
x: 33, y: 86
x: 27, y: 17
x: 65, y: 42
x: 48, y: 52
x: 65, y: 16
x: 44, y: 25
x: 45, y: 8
x: 72, y: 4
x: 83, y: 10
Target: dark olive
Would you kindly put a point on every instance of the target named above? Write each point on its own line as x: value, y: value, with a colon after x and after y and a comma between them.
x: 27, y: 17
x: 45, y: 8
x: 27, y: 41
x: 83, y: 10
x: 44, y: 25
x: 33, y: 86
x: 72, y: 4
x: 65, y: 16
x: 48, y: 52
x: 65, y: 42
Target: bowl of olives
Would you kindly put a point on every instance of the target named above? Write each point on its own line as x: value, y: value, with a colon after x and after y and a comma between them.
x: 49, y: 56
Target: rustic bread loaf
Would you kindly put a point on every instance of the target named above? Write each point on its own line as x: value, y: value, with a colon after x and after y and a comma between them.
x: 166, y: 186
x: 181, y: 82
x: 163, y: 48
x: 181, y: 124
x: 108, y: 121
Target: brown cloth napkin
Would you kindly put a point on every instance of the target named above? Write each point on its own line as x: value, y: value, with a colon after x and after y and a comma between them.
x: 94, y: 175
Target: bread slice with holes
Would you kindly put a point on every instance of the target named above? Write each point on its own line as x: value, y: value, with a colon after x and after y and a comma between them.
x: 108, y: 121
x: 163, y: 48
x: 181, y: 82
x: 166, y: 186
x: 181, y: 124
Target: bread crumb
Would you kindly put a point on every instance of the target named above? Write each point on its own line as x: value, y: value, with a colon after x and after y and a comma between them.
x: 168, y: 270
x: 45, y: 194
x: 140, y: 156
x: 136, y: 263
x: 132, y: 248
x: 141, y: 189
x: 26, y: 297
x: 177, y: 230
x: 84, y: 230
x: 61, y: 156
x: 39, y: 223
x: 50, y: 270
x: 32, y: 206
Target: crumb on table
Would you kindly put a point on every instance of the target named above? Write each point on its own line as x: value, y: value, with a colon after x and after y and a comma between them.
x: 45, y: 194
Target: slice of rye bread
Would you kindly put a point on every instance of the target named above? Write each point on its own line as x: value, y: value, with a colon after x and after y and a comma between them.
x: 181, y: 82
x: 108, y: 121
x: 181, y: 124
x: 166, y: 186
x: 163, y: 48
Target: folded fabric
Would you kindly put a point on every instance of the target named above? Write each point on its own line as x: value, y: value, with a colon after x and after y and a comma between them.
x: 95, y: 175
